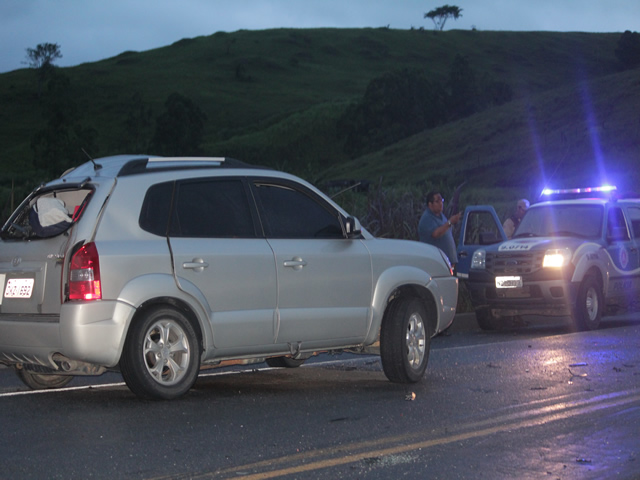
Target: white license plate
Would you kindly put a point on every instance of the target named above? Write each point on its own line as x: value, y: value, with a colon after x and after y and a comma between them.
x: 19, y: 288
x: 508, y: 282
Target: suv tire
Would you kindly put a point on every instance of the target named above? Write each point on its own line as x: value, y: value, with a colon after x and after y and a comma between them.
x: 42, y: 381
x: 405, y: 340
x: 589, y: 304
x: 161, y: 356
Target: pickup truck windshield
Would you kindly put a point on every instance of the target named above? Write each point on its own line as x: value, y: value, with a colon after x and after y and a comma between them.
x: 583, y: 221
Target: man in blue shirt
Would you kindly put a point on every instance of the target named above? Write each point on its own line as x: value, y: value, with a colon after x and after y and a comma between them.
x: 435, y: 228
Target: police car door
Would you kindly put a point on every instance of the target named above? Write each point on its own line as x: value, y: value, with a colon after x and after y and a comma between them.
x: 480, y: 226
x: 625, y: 275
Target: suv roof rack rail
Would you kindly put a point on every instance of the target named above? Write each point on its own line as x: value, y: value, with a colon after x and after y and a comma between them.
x: 156, y: 164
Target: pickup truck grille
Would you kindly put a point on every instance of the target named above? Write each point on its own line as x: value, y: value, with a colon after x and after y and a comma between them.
x: 513, y: 263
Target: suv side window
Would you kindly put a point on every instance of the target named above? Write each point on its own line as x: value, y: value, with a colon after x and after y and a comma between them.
x: 202, y: 208
x: 154, y: 214
x: 212, y: 208
x: 289, y: 213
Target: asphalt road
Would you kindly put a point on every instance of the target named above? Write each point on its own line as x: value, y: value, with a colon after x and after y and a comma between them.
x: 535, y: 402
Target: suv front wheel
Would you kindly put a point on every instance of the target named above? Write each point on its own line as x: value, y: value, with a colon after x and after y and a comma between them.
x: 405, y: 341
x: 161, y: 356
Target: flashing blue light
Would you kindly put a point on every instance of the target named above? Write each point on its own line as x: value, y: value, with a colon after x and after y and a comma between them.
x: 560, y: 191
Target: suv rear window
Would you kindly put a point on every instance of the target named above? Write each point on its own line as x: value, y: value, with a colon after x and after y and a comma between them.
x: 47, y: 213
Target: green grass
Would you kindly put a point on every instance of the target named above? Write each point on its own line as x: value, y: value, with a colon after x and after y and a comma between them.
x: 567, y: 136
x: 273, y: 97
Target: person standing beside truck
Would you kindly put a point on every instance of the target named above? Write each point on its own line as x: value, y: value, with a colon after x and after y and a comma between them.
x: 510, y: 224
x: 434, y: 227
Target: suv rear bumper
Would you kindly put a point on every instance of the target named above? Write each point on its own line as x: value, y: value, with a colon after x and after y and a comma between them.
x: 91, y: 332
x: 547, y: 297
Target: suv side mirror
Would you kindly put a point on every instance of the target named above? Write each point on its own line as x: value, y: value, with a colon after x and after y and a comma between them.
x: 352, y: 227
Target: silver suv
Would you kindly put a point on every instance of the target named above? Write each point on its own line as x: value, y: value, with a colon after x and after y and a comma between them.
x: 156, y: 267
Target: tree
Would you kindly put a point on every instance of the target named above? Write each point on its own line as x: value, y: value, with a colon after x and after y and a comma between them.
x: 440, y: 15
x: 628, y: 49
x: 395, y: 106
x: 59, y: 145
x: 41, y: 60
x: 180, y: 128
x: 463, y: 88
x: 43, y: 55
x: 137, y: 127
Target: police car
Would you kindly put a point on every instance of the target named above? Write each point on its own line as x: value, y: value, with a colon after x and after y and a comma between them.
x: 573, y: 256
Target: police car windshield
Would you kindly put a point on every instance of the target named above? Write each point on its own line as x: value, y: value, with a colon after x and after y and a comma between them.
x: 583, y: 221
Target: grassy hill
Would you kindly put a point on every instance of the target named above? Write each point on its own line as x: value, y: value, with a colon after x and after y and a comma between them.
x: 274, y: 96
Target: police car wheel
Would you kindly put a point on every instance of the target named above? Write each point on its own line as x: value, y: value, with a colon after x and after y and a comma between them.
x: 485, y: 319
x: 589, y: 304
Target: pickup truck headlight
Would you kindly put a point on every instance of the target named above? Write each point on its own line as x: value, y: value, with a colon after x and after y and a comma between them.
x: 556, y: 258
x: 478, y: 259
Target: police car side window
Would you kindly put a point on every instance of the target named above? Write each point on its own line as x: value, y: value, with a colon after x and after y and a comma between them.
x: 616, y: 226
x: 634, y: 219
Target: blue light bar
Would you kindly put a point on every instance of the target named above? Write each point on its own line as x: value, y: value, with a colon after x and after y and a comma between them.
x: 561, y: 191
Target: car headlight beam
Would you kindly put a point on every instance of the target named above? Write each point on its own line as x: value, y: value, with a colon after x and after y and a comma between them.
x: 556, y: 258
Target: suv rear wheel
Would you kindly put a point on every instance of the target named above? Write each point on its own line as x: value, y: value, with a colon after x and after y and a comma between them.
x: 161, y: 356
x: 405, y: 341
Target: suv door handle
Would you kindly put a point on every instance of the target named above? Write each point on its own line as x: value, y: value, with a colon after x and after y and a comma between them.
x: 197, y: 264
x: 296, y: 263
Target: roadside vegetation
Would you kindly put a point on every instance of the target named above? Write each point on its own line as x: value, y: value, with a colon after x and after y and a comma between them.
x: 404, y: 111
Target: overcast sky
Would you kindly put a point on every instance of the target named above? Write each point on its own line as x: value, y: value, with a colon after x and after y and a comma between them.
x: 92, y: 30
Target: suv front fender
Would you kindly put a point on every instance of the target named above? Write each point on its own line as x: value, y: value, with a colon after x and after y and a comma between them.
x: 405, y: 279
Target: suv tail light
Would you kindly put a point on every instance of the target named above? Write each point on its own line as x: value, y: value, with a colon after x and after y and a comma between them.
x: 84, y: 274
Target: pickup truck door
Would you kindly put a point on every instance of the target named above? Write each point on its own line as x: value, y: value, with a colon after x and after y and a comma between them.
x: 480, y: 226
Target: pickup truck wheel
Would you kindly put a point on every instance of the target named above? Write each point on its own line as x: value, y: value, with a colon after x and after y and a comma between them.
x: 284, y: 362
x: 589, y: 304
x: 161, y: 356
x: 485, y: 319
x: 405, y: 341
x: 42, y: 381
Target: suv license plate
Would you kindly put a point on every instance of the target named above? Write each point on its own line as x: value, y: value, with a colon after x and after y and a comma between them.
x: 508, y: 282
x: 19, y: 288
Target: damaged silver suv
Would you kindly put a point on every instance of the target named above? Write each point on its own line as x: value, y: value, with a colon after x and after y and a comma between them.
x: 158, y: 267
